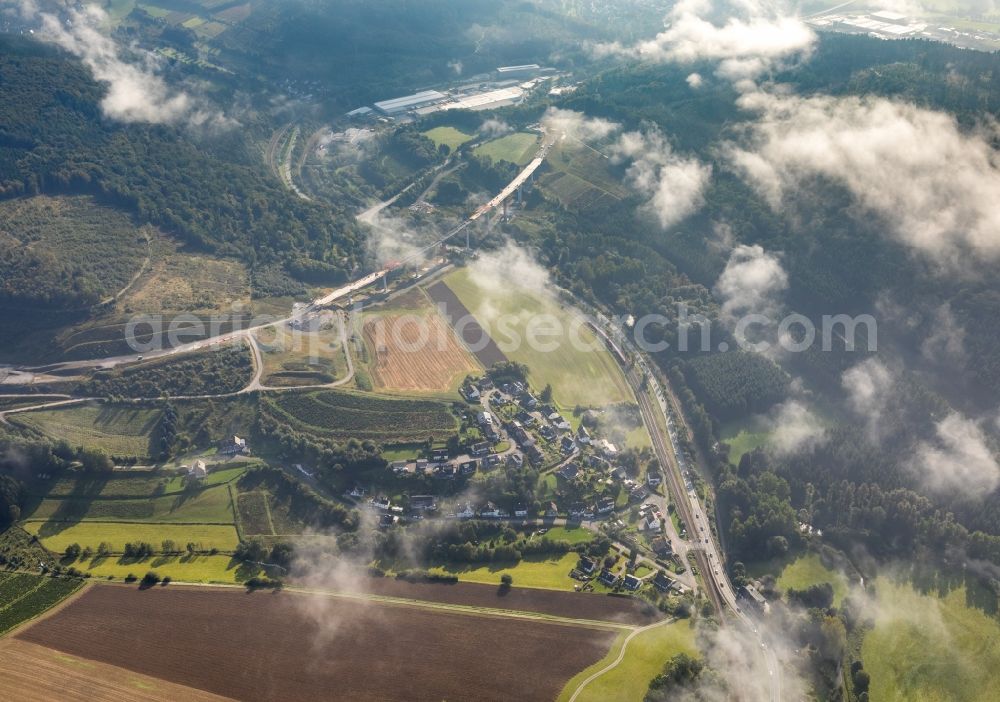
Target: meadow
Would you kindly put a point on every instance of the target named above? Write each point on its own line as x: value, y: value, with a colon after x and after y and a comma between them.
x: 577, y: 376
x: 302, y: 357
x: 644, y: 659
x: 517, y: 148
x: 930, y: 647
x: 350, y: 415
x: 119, y: 431
x: 547, y: 572
x: 211, y: 506
x: 809, y: 570
x: 449, y: 136
x: 56, y: 537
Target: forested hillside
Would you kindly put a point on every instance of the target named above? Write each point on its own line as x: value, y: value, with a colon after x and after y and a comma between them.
x: 206, y: 190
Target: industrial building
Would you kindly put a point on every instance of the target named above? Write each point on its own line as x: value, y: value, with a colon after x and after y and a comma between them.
x: 528, y: 69
x: 409, y: 102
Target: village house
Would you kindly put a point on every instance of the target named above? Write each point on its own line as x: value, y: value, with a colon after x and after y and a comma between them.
x: 568, y: 472
x: 582, y: 435
x: 653, y: 479
x: 567, y: 445
x: 632, y: 583
x: 552, y: 510
x: 520, y: 510
x: 586, y: 566
x: 198, y: 470
x: 608, y: 578
x: 661, y: 547
x: 515, y: 460
x: 489, y: 510
x: 424, y: 503
x: 233, y: 446
x: 471, y: 393
x: 466, y: 512
x: 750, y: 595
x: 661, y: 582
x: 480, y: 448
x: 606, y: 505
x: 356, y: 492
x: 467, y: 467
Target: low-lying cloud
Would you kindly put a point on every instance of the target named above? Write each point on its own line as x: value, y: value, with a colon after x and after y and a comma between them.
x: 959, y: 460
x: 751, y: 283
x: 794, y: 428
x: 135, y: 91
x: 747, y: 38
x: 934, y: 185
x: 673, y: 184
x: 870, y: 388
x: 577, y: 125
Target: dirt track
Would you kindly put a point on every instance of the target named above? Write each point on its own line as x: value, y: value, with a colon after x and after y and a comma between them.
x: 572, y: 605
x: 287, y: 646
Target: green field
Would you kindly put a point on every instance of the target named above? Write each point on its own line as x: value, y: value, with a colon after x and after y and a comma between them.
x: 197, y: 569
x: 809, y: 570
x: 547, y: 572
x: 120, y: 431
x: 24, y: 596
x: 518, y: 148
x: 575, y: 535
x: 644, y: 659
x: 449, y: 136
x: 212, y: 506
x: 56, y: 537
x: 743, y: 437
x: 133, y: 484
x: 927, y: 648
x: 343, y: 415
x: 577, y: 376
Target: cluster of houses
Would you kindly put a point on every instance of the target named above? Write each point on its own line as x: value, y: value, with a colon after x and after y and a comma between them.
x: 588, y: 567
x: 443, y: 466
x: 489, y: 510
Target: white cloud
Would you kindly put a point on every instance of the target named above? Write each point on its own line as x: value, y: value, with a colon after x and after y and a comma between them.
x: 751, y: 282
x: 494, y: 127
x: 577, y: 125
x: 747, y: 37
x: 959, y: 460
x: 674, y: 184
x: 794, y: 428
x: 870, y: 387
x: 936, y: 186
x: 946, y: 342
x: 135, y: 92
x: 695, y: 80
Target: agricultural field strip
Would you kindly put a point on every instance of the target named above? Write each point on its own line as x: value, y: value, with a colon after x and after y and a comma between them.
x: 467, y: 610
x: 9, y: 586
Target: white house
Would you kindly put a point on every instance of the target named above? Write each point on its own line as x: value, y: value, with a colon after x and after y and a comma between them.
x: 198, y: 470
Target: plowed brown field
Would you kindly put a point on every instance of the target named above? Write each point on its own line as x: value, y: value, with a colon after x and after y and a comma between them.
x: 33, y: 673
x: 416, y: 352
x: 289, y: 646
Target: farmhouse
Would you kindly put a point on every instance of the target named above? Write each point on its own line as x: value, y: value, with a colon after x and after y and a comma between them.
x: 233, y: 446
x: 198, y: 470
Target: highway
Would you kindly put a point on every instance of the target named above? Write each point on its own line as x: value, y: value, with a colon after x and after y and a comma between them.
x: 29, y: 372
x: 657, y: 415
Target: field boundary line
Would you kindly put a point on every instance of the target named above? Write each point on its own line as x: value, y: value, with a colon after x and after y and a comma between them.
x: 465, y: 610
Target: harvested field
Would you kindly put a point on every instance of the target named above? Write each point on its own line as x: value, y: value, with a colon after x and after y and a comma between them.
x: 414, y: 352
x: 475, y: 337
x: 33, y: 673
x: 572, y: 605
x: 293, y: 646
